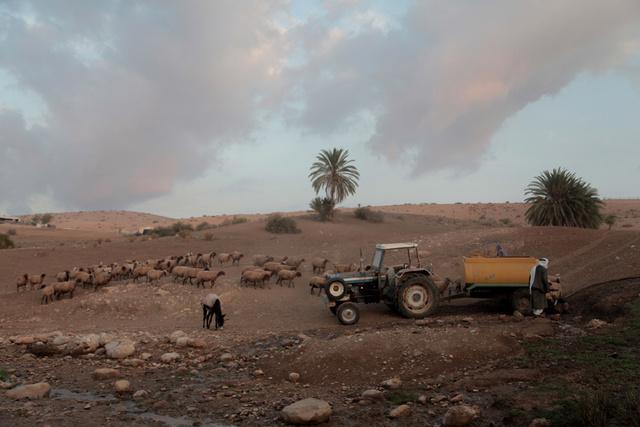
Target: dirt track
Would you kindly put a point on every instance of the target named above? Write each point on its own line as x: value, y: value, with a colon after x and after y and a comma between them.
x: 278, y: 330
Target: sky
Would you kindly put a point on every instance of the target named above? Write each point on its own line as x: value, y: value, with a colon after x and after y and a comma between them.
x: 198, y: 107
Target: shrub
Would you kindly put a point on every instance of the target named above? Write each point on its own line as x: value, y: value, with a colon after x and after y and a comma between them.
x: 235, y: 220
x: 505, y: 221
x: 3, y: 375
x: 203, y: 226
x: 11, y: 232
x: 172, y: 230
x: 610, y: 220
x: 6, y: 242
x: 279, y: 224
x: 208, y: 236
x: 368, y: 214
x: 184, y: 233
x: 324, y: 207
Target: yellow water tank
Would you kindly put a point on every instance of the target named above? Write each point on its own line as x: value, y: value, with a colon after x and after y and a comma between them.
x: 498, y: 271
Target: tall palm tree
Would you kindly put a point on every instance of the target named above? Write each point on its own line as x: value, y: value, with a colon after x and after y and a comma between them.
x: 561, y: 198
x: 334, y: 172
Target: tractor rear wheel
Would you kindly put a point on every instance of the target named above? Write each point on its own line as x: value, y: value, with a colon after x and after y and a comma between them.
x: 348, y: 313
x: 417, y: 297
x: 521, y: 301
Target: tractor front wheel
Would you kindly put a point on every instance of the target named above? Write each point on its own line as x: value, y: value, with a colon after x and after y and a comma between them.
x: 348, y: 313
x: 417, y: 297
x: 335, y: 290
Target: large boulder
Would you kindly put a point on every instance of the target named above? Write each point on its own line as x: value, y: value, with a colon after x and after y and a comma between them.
x: 307, y: 411
x: 459, y: 416
x: 30, y: 391
x: 120, y: 349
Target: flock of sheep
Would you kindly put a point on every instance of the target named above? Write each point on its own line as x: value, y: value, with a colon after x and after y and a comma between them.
x: 193, y: 268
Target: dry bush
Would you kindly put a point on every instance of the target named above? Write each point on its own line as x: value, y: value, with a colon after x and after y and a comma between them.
x: 368, y: 214
x: 6, y: 242
x: 12, y: 232
x: 208, y: 236
x: 279, y: 224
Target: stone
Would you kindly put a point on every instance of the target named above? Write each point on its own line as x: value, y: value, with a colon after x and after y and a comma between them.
x: 4, y: 385
x: 518, y: 315
x: 175, y: 335
x: 89, y: 342
x: 226, y: 357
x: 122, y: 386
x: 392, y: 383
x: 105, y: 338
x: 258, y: 372
x: 170, y: 357
x: 307, y: 411
x: 120, y: 349
x: 133, y: 362
x: 540, y: 422
x: 41, y: 349
x: 294, y: 377
x: 373, y: 394
x: 197, y: 343
x: 596, y: 324
x: 105, y: 373
x: 423, y: 399
x: 140, y: 394
x: 146, y: 356
x: 400, y: 411
x: 459, y: 416
x: 457, y: 398
x: 30, y: 391
x: 182, y: 341
x: 24, y: 340
x: 60, y: 340
x: 423, y: 322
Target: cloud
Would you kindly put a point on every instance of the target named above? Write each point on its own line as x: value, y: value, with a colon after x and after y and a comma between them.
x: 138, y: 95
x: 442, y: 82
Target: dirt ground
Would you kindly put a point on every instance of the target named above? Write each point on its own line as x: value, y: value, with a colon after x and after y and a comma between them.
x: 471, y: 347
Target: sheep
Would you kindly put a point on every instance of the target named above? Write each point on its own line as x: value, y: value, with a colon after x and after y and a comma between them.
x: 224, y: 258
x: 191, y: 274
x: 47, y: 294
x: 62, y: 288
x: 21, y: 282
x: 202, y: 277
x: 101, y: 278
x: 63, y: 276
x: 294, y: 262
x: 141, y: 272
x: 155, y: 275
x: 319, y: 264
x: 207, y: 259
x: 255, y: 276
x: 260, y: 260
x: 345, y: 268
x: 317, y: 282
x: 210, y: 306
x: 287, y: 276
x: 36, y: 280
x: 275, y: 267
x: 236, y: 257
x: 82, y: 277
x: 179, y: 271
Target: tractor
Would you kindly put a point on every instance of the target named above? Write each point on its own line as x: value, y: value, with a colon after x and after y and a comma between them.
x: 405, y: 288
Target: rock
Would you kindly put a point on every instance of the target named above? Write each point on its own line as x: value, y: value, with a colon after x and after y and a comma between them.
x: 423, y: 399
x: 459, y: 416
x: 197, y: 343
x: 182, y: 341
x: 226, y: 357
x: 596, y: 324
x: 170, y: 357
x: 140, y: 394
x: 146, y: 356
x: 122, y: 386
x: 294, y: 377
x: 105, y: 338
x: 120, y: 349
x: 60, y: 340
x: 540, y: 422
x: 41, y: 349
x: 133, y: 362
x: 162, y: 292
x: 258, y: 372
x: 307, y: 411
x: 175, y: 335
x: 89, y: 342
x: 392, y: 384
x: 30, y: 391
x: 517, y: 315
x: 24, y: 340
x: 400, y: 411
x: 457, y: 398
x: 5, y: 385
x: 423, y: 322
x: 105, y: 373
x: 373, y: 394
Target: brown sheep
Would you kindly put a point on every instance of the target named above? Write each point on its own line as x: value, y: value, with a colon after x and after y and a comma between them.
x: 319, y: 265
x: 317, y: 282
x: 36, y: 280
x: 155, y: 275
x: 101, y: 278
x: 206, y: 260
x: 275, y: 267
x: 62, y: 288
x: 287, y: 276
x: 294, y: 262
x: 345, y: 268
x: 202, y: 277
x: 83, y: 278
x: 260, y: 260
x: 236, y: 257
x: 255, y: 276
x: 63, y: 276
x: 21, y: 282
x: 224, y: 258
x: 141, y: 271
x: 47, y: 294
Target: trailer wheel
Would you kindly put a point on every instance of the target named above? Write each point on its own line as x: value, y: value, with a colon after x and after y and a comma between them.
x: 417, y: 297
x: 521, y: 301
x: 335, y: 290
x: 348, y: 313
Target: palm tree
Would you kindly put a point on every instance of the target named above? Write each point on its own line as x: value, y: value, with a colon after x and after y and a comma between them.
x: 333, y: 171
x: 561, y: 198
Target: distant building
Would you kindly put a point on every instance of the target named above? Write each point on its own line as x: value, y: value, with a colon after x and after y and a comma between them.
x: 4, y: 218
